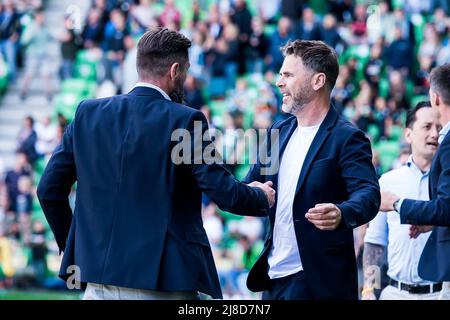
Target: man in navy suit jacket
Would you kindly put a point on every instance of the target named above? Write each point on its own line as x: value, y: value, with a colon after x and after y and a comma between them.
x: 434, y: 264
x: 136, y: 231
x: 326, y: 186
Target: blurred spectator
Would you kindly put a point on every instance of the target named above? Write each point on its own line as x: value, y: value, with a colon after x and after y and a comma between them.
x: 46, y: 137
x: 242, y: 18
x: 113, y: 46
x: 399, y: 53
x: 93, y: 30
x: 130, y: 76
x: 24, y: 207
x: 141, y: 16
x: 268, y: 10
x: 213, y: 225
x: 309, y: 27
x: 374, y: 69
x: 258, y: 45
x: 37, y: 38
x: 342, y: 9
x: 197, y: 55
x: 38, y: 245
x: 192, y: 93
x: 21, y: 168
x: 279, y: 38
x: 293, y: 10
x: 329, y: 32
x: 170, y: 15
x: 27, y: 140
x: 70, y: 43
x: 10, y: 29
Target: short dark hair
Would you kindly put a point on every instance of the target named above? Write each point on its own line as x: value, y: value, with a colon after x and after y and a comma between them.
x: 316, y: 56
x: 440, y: 82
x: 158, y: 49
x: 411, y: 114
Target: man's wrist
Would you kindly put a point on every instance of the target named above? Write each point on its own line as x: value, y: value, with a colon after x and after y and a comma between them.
x: 396, y: 205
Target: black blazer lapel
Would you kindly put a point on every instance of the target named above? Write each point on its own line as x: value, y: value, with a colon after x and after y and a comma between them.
x: 322, y: 134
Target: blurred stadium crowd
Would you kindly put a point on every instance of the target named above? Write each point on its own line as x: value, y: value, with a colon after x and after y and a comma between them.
x: 386, y: 50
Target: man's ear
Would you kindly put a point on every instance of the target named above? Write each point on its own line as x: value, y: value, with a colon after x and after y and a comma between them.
x: 437, y: 99
x: 318, y: 81
x: 174, y: 70
x: 407, y: 134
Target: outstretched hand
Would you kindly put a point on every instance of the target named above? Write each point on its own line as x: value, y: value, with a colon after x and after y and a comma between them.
x: 267, y: 188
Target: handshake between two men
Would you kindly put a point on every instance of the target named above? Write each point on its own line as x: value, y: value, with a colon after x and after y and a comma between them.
x: 325, y: 216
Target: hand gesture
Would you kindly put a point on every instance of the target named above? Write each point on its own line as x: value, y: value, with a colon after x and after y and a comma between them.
x: 267, y: 188
x: 325, y: 216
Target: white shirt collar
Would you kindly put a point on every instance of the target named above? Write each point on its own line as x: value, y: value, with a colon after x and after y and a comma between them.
x: 413, y: 166
x: 152, y: 86
x: 444, y: 132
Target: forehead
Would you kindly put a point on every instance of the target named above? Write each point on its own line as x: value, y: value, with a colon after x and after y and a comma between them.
x: 427, y: 115
x: 292, y: 62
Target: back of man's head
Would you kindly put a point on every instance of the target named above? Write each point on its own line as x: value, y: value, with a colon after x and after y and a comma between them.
x: 158, y: 50
x: 440, y: 82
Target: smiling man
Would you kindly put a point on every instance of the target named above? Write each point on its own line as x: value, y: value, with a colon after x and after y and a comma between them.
x: 325, y: 186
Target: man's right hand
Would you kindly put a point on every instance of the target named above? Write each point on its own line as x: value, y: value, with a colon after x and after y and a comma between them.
x: 267, y: 188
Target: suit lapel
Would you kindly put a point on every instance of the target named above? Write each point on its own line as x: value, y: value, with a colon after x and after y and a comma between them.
x: 285, y: 134
x: 322, y: 134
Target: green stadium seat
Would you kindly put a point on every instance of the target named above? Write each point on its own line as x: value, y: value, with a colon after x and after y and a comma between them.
x: 86, y: 71
x: 66, y: 103
x: 396, y: 134
x: 419, y: 98
x: 374, y: 132
x: 387, y: 151
x: 218, y: 110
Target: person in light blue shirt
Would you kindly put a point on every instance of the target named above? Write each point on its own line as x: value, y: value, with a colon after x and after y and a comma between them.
x: 386, y: 230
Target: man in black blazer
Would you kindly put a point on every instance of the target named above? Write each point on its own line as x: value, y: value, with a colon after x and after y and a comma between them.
x: 326, y: 186
x: 434, y: 264
x: 136, y: 231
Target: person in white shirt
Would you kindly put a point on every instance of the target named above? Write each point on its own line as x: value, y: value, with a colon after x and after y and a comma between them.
x: 325, y: 185
x: 386, y: 232
x: 434, y: 263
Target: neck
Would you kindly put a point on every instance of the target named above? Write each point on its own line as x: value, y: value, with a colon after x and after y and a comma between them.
x: 313, y: 112
x: 445, y: 114
x: 156, y: 82
x: 422, y: 163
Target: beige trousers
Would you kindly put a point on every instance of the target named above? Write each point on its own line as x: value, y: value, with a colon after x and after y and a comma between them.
x: 106, y: 292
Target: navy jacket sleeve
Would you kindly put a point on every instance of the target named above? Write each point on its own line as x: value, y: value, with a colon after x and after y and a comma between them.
x: 360, y: 180
x: 437, y: 211
x: 254, y: 174
x: 217, y: 182
x: 54, y: 188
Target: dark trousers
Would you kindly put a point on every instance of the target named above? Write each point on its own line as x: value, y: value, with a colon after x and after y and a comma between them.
x: 292, y: 287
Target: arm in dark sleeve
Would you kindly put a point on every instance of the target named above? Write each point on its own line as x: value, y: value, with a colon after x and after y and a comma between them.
x: 217, y: 182
x: 265, y: 165
x: 54, y: 188
x: 437, y: 211
x: 361, y: 182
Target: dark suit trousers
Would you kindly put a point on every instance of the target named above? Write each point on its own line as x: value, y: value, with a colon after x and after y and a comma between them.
x: 292, y: 287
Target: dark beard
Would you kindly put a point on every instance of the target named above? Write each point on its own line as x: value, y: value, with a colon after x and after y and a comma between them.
x: 177, y: 95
